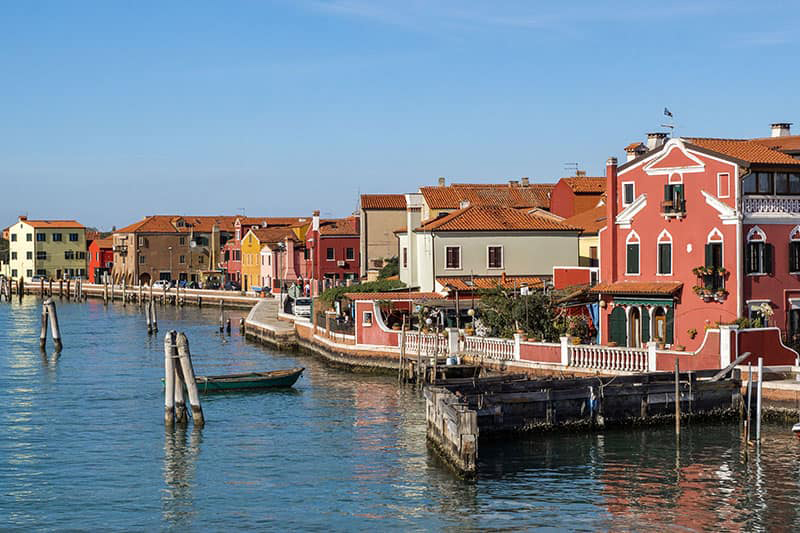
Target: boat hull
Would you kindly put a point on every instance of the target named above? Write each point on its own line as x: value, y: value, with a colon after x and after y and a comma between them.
x: 279, y: 379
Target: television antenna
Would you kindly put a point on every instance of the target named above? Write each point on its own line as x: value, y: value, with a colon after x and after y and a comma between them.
x: 572, y: 167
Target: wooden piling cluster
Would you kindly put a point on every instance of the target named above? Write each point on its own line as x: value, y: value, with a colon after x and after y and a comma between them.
x: 49, y: 316
x: 179, y: 378
x: 513, y: 403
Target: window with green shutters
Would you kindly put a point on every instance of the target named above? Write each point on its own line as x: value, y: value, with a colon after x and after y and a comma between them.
x: 794, y: 256
x: 674, y: 201
x: 618, y: 327
x: 758, y: 258
x: 665, y: 258
x: 670, y: 333
x: 632, y: 262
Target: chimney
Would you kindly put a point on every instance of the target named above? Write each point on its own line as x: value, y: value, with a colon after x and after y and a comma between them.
x: 315, y: 221
x: 513, y: 183
x: 441, y: 181
x: 634, y: 150
x: 580, y: 173
x: 525, y: 181
x: 654, y: 140
x: 23, y: 217
x: 781, y: 129
x: 463, y: 204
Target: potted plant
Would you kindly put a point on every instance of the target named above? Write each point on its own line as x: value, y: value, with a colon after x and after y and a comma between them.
x: 692, y: 333
x: 720, y: 295
x: 612, y: 344
x: 678, y: 347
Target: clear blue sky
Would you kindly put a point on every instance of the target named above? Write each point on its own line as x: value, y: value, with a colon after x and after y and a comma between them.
x: 113, y: 110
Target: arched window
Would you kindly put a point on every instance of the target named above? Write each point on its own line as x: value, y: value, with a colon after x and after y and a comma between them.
x: 664, y: 254
x: 758, y: 253
x: 632, y: 254
x: 794, y: 250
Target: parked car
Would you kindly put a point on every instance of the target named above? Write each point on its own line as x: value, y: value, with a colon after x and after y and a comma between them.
x: 302, y: 307
x: 161, y: 284
x: 232, y: 286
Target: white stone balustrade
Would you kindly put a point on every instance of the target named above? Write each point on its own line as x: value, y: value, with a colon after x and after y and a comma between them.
x: 771, y: 205
x: 608, y: 358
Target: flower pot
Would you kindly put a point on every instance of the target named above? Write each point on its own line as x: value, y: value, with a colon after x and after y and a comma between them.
x: 660, y: 345
x: 612, y: 344
x: 678, y: 348
x: 396, y: 327
x: 575, y: 340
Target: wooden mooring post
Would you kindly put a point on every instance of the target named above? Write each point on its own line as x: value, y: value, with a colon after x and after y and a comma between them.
x: 758, y: 398
x: 170, y: 349
x: 153, y: 316
x: 677, y: 399
x: 50, y: 287
x: 20, y: 288
x: 50, y: 316
x: 221, y: 317
x: 105, y: 292
x: 124, y: 292
x: 61, y: 289
x: 188, y: 376
x: 181, y: 416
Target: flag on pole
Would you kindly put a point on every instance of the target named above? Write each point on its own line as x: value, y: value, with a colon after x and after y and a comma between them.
x: 667, y: 112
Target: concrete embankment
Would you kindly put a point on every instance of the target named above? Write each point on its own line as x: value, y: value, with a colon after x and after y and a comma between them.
x: 229, y: 299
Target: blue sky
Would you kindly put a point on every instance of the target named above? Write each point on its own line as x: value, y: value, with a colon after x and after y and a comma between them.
x: 114, y: 110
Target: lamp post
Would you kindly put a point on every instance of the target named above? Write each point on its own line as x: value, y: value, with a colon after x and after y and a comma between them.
x: 170, y: 262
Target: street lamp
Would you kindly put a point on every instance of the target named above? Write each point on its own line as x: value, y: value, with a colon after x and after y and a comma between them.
x: 170, y: 262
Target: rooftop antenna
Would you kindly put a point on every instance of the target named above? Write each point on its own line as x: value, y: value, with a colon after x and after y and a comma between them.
x: 572, y: 167
x: 671, y: 123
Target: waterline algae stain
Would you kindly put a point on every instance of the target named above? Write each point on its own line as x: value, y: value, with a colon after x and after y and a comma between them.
x: 83, y: 446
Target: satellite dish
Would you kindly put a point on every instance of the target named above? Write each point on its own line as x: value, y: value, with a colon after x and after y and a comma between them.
x: 192, y: 244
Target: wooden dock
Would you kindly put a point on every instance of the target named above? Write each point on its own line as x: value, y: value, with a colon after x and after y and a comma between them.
x: 460, y: 412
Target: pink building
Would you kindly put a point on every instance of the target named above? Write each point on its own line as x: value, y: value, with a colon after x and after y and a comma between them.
x: 700, y: 231
x: 284, y: 262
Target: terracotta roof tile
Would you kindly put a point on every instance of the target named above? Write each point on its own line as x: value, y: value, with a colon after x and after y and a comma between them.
x: 450, y: 197
x: 271, y: 235
x: 786, y: 143
x: 383, y: 201
x: 338, y: 226
x: 745, y: 150
x: 586, y: 184
x: 469, y: 283
x: 636, y: 147
x: 395, y: 296
x: 655, y: 288
x: 590, y: 221
x: 54, y: 224
x: 493, y: 218
x: 179, y: 224
x: 108, y: 242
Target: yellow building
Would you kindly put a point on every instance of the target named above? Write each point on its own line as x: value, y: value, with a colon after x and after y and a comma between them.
x: 252, y: 243
x: 591, y: 222
x: 51, y: 249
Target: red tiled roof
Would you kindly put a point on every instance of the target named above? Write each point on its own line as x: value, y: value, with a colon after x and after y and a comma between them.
x: 655, y: 288
x: 786, y: 143
x: 450, y: 197
x: 274, y: 221
x: 395, y: 296
x: 337, y: 226
x: 171, y: 224
x: 270, y: 235
x: 469, y: 283
x: 635, y: 146
x: 53, y: 223
x: 492, y: 218
x: 108, y: 242
x: 383, y: 201
x: 586, y: 184
x: 745, y: 150
x: 590, y: 221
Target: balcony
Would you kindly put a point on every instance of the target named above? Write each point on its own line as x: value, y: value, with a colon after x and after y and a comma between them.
x: 673, y: 208
x: 776, y: 206
x: 711, y: 283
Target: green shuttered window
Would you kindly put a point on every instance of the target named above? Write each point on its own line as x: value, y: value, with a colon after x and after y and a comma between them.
x: 632, y: 263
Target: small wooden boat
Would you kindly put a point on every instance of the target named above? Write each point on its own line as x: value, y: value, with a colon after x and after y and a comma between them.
x: 277, y: 379
x: 796, y: 430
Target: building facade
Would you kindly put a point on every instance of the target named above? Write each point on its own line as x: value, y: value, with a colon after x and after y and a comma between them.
x: 49, y: 249
x: 380, y: 216
x: 481, y: 241
x: 334, y: 256
x: 101, y: 259
x: 699, y: 232
x: 576, y: 194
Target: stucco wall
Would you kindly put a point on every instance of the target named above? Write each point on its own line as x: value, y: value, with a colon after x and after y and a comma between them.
x: 377, y: 239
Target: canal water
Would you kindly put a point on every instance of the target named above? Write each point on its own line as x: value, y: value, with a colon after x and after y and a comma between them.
x: 83, y: 446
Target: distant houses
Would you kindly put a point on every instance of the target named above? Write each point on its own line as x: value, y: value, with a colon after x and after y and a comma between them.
x: 53, y: 249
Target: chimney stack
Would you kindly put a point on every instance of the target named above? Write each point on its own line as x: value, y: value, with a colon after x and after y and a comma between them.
x: 513, y: 183
x: 580, y: 173
x: 525, y: 181
x: 781, y: 129
x: 634, y: 150
x: 441, y: 181
x: 654, y: 140
x: 315, y: 221
x: 608, y: 260
x: 23, y: 217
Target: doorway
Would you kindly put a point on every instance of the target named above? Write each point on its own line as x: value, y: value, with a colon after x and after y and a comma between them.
x: 634, y: 328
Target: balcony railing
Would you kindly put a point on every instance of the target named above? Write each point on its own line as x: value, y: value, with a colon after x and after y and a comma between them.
x: 673, y: 208
x: 771, y: 205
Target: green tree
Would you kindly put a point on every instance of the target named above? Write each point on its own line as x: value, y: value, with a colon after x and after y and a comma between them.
x: 391, y: 267
x: 331, y: 295
x: 505, y: 313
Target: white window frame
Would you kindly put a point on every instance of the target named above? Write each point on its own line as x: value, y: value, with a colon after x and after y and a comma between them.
x: 719, y: 184
x: 502, y: 257
x: 633, y: 193
x: 629, y: 240
x: 352, y: 257
x: 460, y: 259
x: 367, y: 318
x: 755, y: 230
x: 664, y: 238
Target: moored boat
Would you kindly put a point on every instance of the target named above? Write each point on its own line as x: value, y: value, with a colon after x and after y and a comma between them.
x: 276, y: 379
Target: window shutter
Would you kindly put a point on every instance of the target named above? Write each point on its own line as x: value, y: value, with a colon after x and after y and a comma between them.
x: 767, y: 258
x: 792, y: 257
x: 709, y: 255
x: 667, y: 193
x: 748, y: 258
x: 645, y: 325
x: 632, y: 266
x: 670, y: 333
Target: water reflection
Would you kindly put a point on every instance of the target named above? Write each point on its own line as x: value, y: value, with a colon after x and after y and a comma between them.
x: 180, y: 455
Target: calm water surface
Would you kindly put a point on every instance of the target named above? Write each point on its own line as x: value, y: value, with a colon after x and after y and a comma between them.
x: 83, y: 446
